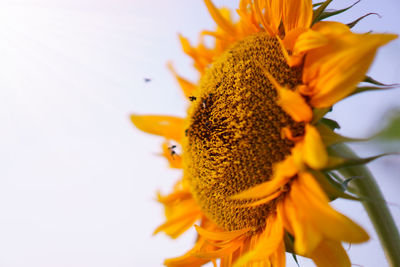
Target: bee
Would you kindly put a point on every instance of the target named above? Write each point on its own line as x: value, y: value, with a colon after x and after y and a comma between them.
x: 146, y: 80
x: 192, y: 98
x: 172, y: 150
x: 205, y: 101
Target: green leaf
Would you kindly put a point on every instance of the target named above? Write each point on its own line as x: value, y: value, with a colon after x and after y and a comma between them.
x: 317, y: 4
x: 289, y: 242
x: 294, y: 256
x: 353, y: 23
x: 332, y: 188
x: 335, y: 163
x: 361, y: 89
x: 330, y: 123
x: 319, y: 11
x: 371, y: 80
x: 318, y: 113
x: 325, y: 15
x: 329, y: 137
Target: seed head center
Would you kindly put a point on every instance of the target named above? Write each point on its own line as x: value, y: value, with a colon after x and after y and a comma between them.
x: 234, y: 134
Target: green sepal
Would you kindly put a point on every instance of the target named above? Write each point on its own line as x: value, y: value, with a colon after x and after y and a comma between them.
x: 369, y: 79
x: 329, y: 137
x: 317, y: 4
x: 289, y: 242
x: 332, y: 188
x: 361, y: 89
x: 337, y: 162
x: 289, y: 246
x: 294, y: 256
x: 319, y: 11
x: 325, y: 15
x: 319, y: 113
x: 353, y: 23
x: 335, y: 177
x: 346, y: 182
x: 331, y: 124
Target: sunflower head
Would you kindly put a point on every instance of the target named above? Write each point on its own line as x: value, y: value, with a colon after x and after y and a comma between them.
x: 235, y: 130
x: 257, y: 155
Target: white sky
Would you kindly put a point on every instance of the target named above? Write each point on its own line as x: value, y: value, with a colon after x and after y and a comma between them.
x: 77, y: 180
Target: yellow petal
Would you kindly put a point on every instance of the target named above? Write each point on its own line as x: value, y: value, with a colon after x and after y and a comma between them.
x: 330, y: 254
x: 286, y: 132
x: 309, y: 40
x: 248, y: 21
x: 332, y: 71
x: 175, y: 226
x: 297, y: 14
x: 279, y: 259
x: 291, y: 37
x: 297, y: 154
x: 288, y: 43
x: 268, y: 243
x: 281, y: 210
x: 263, y: 200
x: 173, y: 197
x: 291, y: 101
x: 261, y: 18
x: 167, y: 126
x: 314, y: 151
x: 273, y: 237
x: 283, y: 172
x: 339, y: 77
x: 187, y: 259
x: 229, y: 235
x: 181, y: 212
x: 326, y: 220
x: 200, y: 55
x: 330, y: 28
x: 219, y: 19
x: 307, y: 237
x: 186, y: 86
x: 272, y: 14
x: 262, y: 190
x: 186, y: 47
x: 218, y: 253
x: 174, y: 160
x: 294, y: 104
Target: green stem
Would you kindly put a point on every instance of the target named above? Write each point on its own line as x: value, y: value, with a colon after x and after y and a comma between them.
x: 375, y: 205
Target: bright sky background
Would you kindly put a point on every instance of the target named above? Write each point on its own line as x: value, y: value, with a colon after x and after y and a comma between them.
x: 78, y: 182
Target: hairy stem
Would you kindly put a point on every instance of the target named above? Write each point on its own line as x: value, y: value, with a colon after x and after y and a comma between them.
x: 375, y: 205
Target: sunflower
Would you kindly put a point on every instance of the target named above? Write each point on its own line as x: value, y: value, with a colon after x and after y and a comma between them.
x: 258, y: 155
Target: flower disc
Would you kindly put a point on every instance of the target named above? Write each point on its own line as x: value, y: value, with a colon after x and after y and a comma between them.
x: 235, y: 130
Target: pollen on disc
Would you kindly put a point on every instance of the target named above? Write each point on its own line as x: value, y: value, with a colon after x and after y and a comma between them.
x: 234, y: 133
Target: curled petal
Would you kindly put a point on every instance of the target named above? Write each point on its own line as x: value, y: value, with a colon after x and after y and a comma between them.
x: 282, y: 173
x: 332, y: 71
x: 314, y: 151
